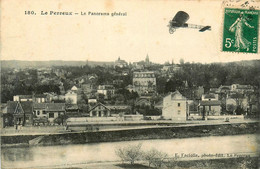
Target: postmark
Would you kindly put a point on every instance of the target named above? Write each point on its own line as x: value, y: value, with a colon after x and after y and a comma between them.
x: 240, y: 30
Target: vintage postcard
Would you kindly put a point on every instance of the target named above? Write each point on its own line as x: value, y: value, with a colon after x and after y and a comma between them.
x: 130, y: 84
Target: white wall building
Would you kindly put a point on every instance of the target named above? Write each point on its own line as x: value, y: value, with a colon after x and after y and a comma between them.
x: 144, y: 82
x: 107, y: 90
x: 71, y: 96
x: 175, y: 107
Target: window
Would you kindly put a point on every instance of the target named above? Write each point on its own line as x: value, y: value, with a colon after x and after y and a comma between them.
x: 51, y: 115
x: 38, y: 112
x: 44, y: 112
x: 179, y: 112
x: 27, y: 118
x: 179, y: 104
x: 94, y: 113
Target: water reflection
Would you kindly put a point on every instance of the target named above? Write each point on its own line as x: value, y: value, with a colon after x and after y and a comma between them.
x: 18, y: 155
x: 83, y: 153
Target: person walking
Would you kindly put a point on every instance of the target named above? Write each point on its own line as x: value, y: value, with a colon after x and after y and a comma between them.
x: 238, y: 27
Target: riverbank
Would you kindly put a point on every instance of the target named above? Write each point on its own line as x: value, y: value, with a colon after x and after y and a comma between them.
x: 131, y: 134
x: 228, y: 163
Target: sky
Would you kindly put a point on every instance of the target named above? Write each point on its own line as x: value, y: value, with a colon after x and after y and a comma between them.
x: 105, y: 38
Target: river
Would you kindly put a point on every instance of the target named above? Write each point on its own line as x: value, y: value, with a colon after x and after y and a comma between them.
x: 66, y: 155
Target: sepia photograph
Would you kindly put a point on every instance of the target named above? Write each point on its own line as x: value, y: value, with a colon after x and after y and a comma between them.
x: 117, y: 84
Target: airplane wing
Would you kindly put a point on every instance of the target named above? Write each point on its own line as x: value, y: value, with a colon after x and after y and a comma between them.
x: 180, y: 18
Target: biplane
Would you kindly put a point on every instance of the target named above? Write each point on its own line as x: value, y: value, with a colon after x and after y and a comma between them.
x: 179, y: 21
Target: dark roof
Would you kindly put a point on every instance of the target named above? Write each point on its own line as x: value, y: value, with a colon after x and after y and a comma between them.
x: 244, y: 87
x: 11, y: 105
x: 225, y: 87
x: 27, y: 106
x: 142, y: 100
x: 209, y: 96
x: 98, y: 104
x: 40, y: 96
x: 50, y: 106
x: 55, y: 106
x: 159, y: 104
x: 118, y: 107
x: 39, y: 105
x: 72, y: 107
x: 210, y: 103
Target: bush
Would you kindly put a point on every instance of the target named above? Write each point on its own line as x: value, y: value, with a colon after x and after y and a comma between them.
x: 60, y: 120
x: 155, y: 157
x: 130, y: 153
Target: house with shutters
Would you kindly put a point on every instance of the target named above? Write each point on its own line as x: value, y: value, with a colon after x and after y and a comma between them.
x: 48, y: 110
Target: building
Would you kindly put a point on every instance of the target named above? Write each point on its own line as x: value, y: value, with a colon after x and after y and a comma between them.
x: 210, y: 108
x: 238, y: 100
x: 115, y: 110
x: 6, y: 118
x: 224, y: 89
x: 143, y: 102
x: 48, y: 110
x: 130, y: 88
x: 71, y: 97
x: 175, y: 107
x: 120, y: 63
x: 210, y: 105
x: 107, y: 90
x: 241, y: 88
x: 209, y: 97
x: 22, y: 98
x: 99, y: 110
x: 38, y: 98
x: 170, y: 68
x: 22, y: 112
x: 41, y: 98
x: 144, y: 82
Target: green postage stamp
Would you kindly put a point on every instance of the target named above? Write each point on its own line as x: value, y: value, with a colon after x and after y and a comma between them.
x: 240, y: 32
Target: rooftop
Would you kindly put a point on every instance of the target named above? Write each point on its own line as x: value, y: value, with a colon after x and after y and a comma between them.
x: 210, y: 103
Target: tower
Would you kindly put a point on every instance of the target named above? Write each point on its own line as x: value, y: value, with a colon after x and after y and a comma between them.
x: 147, y: 59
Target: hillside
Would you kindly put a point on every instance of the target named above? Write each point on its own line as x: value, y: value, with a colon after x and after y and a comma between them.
x: 51, y: 63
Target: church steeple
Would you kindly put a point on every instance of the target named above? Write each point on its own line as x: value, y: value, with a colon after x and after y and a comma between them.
x: 147, y: 59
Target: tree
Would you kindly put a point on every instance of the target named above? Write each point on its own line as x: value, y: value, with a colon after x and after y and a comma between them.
x: 155, y: 157
x: 231, y: 108
x: 69, y: 101
x: 60, y: 120
x: 130, y: 153
x: 101, y: 97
